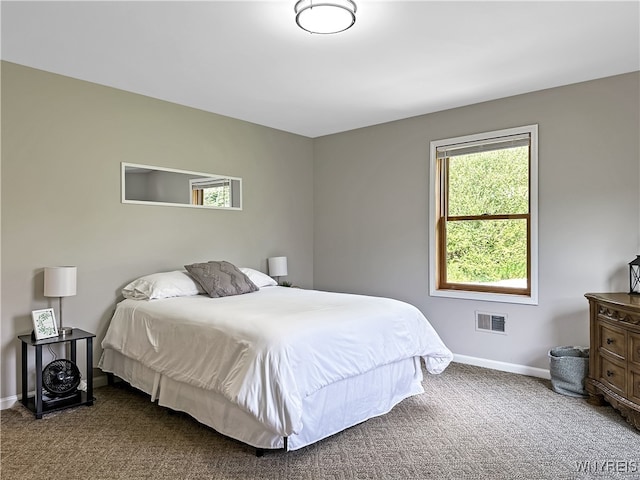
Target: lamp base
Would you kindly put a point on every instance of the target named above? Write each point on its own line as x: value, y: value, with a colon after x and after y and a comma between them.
x: 65, y: 331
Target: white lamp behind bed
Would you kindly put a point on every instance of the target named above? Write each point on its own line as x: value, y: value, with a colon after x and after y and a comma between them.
x: 60, y: 282
x: 278, y: 267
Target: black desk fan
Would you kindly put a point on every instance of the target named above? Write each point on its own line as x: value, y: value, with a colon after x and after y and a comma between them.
x: 61, y: 377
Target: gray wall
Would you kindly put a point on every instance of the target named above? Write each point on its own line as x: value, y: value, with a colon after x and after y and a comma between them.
x: 63, y: 141
x: 363, y: 229
x: 371, y: 203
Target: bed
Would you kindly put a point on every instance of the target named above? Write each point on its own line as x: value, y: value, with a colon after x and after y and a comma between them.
x: 274, y: 367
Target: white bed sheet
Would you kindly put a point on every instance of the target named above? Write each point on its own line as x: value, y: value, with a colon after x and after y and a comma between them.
x: 266, y: 351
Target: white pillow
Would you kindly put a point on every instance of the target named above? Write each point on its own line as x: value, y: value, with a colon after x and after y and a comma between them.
x: 162, y: 285
x: 259, y: 278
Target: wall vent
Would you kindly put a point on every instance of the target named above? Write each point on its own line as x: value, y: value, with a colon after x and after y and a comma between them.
x: 491, y: 322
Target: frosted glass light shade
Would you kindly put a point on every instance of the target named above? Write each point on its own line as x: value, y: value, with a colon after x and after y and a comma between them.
x: 278, y: 266
x: 60, y: 281
x: 325, y: 17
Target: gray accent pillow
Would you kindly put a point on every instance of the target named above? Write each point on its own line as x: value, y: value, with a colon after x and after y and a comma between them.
x: 221, y: 279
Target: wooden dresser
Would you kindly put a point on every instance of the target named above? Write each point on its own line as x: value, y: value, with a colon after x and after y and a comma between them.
x: 614, y: 360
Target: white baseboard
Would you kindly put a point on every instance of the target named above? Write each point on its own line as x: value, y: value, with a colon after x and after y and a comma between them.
x: 503, y: 366
x: 8, y: 402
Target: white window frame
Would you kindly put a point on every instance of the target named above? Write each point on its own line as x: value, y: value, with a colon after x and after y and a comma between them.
x: 531, y: 299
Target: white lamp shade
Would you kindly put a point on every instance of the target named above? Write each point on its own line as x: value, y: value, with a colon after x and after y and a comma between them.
x: 278, y: 266
x: 60, y: 281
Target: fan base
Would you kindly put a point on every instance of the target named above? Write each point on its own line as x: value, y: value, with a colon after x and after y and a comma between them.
x: 49, y: 401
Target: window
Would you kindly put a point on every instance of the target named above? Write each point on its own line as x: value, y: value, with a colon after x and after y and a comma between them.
x: 483, y: 223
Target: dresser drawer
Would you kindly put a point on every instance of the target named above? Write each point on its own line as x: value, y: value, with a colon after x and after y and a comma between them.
x: 634, y: 348
x: 634, y: 385
x: 613, y: 375
x: 613, y: 340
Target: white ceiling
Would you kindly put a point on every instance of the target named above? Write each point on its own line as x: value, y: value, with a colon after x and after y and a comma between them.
x: 249, y: 60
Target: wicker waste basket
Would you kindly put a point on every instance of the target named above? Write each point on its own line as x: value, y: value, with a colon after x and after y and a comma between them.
x: 569, y: 366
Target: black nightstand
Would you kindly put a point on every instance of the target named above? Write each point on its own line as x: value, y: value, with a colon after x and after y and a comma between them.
x: 36, y: 404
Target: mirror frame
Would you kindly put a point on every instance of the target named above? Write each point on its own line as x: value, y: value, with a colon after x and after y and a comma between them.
x: 123, y: 198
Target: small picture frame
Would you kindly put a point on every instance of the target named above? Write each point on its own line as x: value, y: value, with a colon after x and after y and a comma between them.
x: 44, y: 323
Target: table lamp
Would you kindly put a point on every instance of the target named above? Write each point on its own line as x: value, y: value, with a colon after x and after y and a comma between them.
x: 278, y: 267
x: 60, y: 282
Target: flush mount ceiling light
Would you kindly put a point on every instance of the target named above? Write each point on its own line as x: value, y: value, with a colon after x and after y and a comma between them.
x: 325, y: 16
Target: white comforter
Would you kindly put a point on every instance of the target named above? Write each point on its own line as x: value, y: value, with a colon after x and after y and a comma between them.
x: 265, y: 351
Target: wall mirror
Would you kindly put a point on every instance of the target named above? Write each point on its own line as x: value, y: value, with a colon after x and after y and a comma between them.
x: 149, y: 185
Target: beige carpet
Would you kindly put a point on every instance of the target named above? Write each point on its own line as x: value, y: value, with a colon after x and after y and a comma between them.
x: 472, y: 423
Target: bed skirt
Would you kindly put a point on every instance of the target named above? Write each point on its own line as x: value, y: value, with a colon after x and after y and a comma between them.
x: 327, y: 411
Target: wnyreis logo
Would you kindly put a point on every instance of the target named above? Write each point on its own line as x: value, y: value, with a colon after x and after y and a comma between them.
x: 608, y: 466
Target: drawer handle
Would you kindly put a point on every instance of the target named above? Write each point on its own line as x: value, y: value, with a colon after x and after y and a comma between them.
x: 610, y: 373
x: 610, y: 341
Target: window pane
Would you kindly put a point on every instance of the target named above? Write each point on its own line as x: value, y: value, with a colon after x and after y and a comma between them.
x: 494, y: 182
x: 488, y: 252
